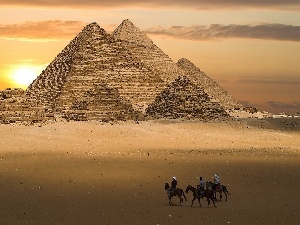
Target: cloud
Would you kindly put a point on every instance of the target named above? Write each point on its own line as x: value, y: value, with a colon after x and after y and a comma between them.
x: 57, y: 30
x: 192, y: 4
x: 279, y: 32
x: 42, y: 30
x: 283, y: 105
x: 273, y: 81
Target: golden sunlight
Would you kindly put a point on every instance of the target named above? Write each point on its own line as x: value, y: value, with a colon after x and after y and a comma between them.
x: 24, y: 75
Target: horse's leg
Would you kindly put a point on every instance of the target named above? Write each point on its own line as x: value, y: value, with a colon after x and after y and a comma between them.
x: 193, y: 201
x: 170, y: 198
x: 184, y: 195
x: 181, y: 200
x: 220, y: 195
x: 215, y: 196
x: 214, y: 203
x: 199, y: 201
x: 208, y: 201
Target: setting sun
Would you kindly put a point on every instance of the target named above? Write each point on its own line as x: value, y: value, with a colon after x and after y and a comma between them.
x: 24, y: 75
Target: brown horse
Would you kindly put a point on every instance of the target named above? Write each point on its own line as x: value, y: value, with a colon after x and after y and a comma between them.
x: 220, y: 188
x: 176, y: 192
x: 208, y: 194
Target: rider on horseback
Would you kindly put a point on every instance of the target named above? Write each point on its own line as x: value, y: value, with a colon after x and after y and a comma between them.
x: 173, y: 186
x: 201, y: 187
x: 216, y: 182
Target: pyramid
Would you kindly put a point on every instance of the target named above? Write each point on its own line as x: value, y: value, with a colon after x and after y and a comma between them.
x: 141, y: 46
x: 209, y: 85
x: 121, y: 76
x: 185, y: 100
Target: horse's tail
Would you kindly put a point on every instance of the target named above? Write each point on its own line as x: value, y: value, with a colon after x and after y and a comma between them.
x: 182, y: 193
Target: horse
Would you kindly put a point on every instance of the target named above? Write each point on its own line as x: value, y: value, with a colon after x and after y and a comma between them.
x: 208, y: 194
x: 176, y: 192
x: 220, y: 189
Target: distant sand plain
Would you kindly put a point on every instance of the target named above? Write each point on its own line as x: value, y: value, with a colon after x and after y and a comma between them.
x: 94, y: 173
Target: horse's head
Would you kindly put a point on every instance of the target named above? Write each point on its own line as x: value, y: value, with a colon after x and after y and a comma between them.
x: 188, y: 188
x: 166, y: 186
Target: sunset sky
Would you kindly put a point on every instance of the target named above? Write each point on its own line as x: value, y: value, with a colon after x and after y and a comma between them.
x: 249, y: 47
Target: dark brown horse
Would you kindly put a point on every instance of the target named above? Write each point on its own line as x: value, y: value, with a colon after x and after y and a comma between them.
x: 208, y: 194
x: 176, y: 192
x: 219, y: 188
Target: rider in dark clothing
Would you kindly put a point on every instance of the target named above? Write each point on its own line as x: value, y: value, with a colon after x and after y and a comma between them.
x: 174, y: 183
x: 173, y: 186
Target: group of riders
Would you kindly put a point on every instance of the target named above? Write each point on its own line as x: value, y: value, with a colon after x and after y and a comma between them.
x: 200, y: 186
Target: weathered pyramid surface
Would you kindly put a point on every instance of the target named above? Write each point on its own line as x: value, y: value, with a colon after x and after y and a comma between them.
x: 50, y: 83
x: 14, y: 108
x: 183, y: 99
x: 209, y: 85
x: 142, y: 47
x: 100, y: 103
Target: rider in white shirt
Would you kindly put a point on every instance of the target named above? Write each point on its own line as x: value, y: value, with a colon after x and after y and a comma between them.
x: 201, y: 187
x: 217, y: 179
x: 216, y: 182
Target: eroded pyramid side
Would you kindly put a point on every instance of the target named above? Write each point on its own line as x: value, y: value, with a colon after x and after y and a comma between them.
x: 209, y: 85
x: 15, y: 109
x: 100, y: 103
x: 49, y: 85
x: 182, y: 99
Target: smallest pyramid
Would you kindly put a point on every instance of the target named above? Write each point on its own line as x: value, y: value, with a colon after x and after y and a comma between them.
x: 183, y: 99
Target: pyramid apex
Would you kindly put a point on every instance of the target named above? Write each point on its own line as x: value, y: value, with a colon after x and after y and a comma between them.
x: 186, y: 63
x: 93, y: 26
x: 184, y: 60
x: 127, y: 31
x: 127, y: 21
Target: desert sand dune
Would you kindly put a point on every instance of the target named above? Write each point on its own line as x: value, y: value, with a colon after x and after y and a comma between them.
x: 94, y: 173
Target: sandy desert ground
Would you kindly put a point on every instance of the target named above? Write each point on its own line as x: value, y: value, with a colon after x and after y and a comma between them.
x: 93, y: 173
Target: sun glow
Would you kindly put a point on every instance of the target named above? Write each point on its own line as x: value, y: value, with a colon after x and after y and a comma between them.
x: 24, y: 75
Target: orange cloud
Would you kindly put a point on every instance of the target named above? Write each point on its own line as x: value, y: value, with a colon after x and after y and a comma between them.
x: 58, y: 30
x: 217, y: 31
x: 193, y: 4
x: 42, y: 30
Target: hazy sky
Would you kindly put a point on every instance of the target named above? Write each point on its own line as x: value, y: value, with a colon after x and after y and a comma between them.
x: 250, y: 47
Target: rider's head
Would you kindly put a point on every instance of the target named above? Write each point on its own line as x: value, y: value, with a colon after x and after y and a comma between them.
x: 200, y: 178
x: 174, y: 178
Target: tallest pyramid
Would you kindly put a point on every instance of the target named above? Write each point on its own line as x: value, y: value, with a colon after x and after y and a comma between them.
x: 140, y: 45
x: 101, y: 76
